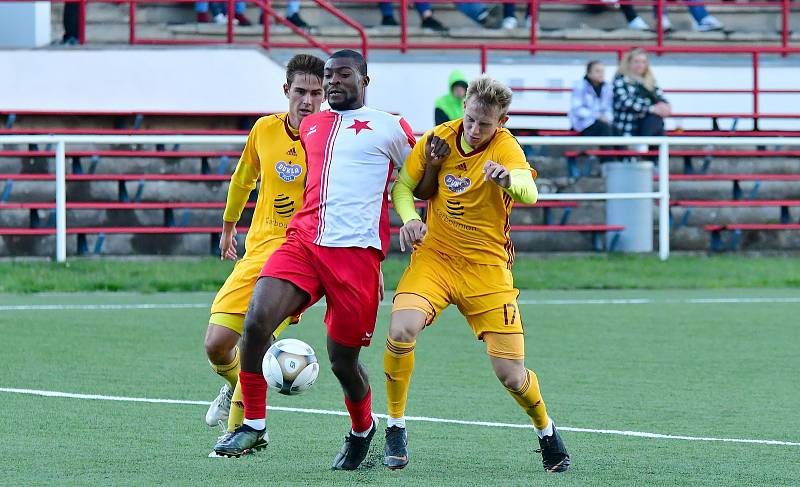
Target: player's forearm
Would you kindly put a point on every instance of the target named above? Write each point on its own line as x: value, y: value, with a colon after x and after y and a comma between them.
x: 243, y: 181
x: 429, y: 183
x: 523, y: 187
x: 403, y: 197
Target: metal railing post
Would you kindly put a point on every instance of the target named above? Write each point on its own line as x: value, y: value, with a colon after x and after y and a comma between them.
x: 755, y: 90
x: 131, y: 21
x: 82, y: 22
x: 231, y: 13
x: 663, y: 201
x: 484, y: 58
x: 785, y: 12
x: 61, y: 202
x: 660, y: 24
x: 403, y: 26
x: 534, y: 14
x: 267, y: 19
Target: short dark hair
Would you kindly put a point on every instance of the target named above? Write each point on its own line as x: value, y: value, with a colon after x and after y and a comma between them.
x: 591, y: 65
x: 361, y: 64
x: 304, y: 64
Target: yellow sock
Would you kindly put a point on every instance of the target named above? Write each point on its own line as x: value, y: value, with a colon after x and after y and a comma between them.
x: 236, y: 417
x: 530, y: 399
x: 229, y: 372
x: 398, y: 364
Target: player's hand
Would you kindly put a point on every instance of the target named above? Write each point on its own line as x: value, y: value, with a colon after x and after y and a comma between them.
x: 496, y: 173
x: 436, y: 151
x: 381, y: 288
x: 227, y: 243
x: 411, y: 234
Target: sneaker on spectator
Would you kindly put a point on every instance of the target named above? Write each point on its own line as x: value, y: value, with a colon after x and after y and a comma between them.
x: 707, y: 24
x: 489, y: 18
x: 666, y: 24
x: 528, y: 23
x: 220, y: 19
x: 296, y: 20
x: 389, y: 21
x: 202, y: 18
x: 509, y: 23
x: 242, y: 20
x: 433, y: 24
x: 638, y: 24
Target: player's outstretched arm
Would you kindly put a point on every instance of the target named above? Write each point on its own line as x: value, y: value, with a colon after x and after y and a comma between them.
x: 413, y: 229
x: 436, y: 151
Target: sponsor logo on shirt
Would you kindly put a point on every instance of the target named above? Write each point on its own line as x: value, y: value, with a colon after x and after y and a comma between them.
x: 288, y: 171
x: 456, y: 184
x: 291, y: 152
x: 284, y: 206
x: 311, y: 130
x: 462, y: 166
x: 454, y: 208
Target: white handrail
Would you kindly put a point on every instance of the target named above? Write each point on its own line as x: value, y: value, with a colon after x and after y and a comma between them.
x: 61, y: 140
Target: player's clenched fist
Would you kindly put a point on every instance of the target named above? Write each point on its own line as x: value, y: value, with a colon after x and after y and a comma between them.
x: 411, y: 234
x: 436, y: 150
x: 496, y: 173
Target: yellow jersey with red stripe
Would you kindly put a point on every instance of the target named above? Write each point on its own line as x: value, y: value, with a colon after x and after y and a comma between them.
x: 467, y: 216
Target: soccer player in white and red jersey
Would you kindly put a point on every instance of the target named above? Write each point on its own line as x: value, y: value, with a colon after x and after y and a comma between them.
x: 334, y: 247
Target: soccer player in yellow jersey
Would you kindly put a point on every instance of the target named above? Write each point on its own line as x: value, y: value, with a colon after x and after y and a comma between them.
x: 273, y: 153
x: 471, y: 171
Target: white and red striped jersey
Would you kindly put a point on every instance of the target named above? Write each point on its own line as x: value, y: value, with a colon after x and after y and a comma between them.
x: 350, y: 157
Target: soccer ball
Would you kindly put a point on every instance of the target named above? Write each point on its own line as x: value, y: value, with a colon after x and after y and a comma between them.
x: 290, y: 366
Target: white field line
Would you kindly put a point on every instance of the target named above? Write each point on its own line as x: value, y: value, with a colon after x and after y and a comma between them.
x: 639, y: 434
x: 532, y: 302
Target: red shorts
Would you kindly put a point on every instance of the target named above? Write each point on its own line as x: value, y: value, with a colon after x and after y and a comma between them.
x: 348, y: 277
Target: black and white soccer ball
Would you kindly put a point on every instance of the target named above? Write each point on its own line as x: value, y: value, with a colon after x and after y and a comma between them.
x: 290, y: 366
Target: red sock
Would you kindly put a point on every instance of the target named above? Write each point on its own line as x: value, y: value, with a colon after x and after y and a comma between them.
x: 254, y: 395
x: 360, y: 412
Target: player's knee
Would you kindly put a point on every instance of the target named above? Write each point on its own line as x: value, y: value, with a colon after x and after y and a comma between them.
x: 216, y: 350
x: 342, y: 368
x: 511, y: 376
x: 406, y: 325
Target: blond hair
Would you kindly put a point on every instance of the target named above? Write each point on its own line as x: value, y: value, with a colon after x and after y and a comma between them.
x: 647, y: 79
x: 490, y: 93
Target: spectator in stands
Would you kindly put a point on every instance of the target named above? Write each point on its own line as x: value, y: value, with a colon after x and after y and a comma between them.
x: 70, y: 19
x: 478, y: 12
x: 219, y: 12
x: 450, y: 106
x: 703, y: 21
x: 639, y: 104
x: 591, y: 112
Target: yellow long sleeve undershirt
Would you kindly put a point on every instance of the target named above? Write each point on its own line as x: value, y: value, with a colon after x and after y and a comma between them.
x: 243, y: 181
x: 403, y: 196
x: 523, y: 187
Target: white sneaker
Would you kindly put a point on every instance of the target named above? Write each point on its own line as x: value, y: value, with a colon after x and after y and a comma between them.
x: 220, y: 19
x: 509, y: 23
x: 666, y: 24
x: 707, y: 24
x: 638, y: 24
x: 220, y: 408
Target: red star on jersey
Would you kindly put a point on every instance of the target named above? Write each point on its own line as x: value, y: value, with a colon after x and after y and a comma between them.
x: 358, y: 125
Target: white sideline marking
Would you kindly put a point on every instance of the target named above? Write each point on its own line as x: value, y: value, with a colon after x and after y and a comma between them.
x: 539, y: 302
x: 84, y: 307
x: 329, y: 412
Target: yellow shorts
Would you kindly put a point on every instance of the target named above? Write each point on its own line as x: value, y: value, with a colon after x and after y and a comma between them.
x: 230, y: 304
x: 484, y: 294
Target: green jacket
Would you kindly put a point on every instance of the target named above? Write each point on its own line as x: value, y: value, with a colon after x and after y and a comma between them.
x: 452, y: 107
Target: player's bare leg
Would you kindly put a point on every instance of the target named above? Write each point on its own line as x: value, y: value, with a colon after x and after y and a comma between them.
x: 358, y: 398
x: 523, y: 386
x: 272, y: 302
x: 398, y: 364
x: 220, y: 345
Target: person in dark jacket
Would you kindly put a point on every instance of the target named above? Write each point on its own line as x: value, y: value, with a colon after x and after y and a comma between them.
x: 451, y: 105
x: 591, y: 112
x: 639, y: 104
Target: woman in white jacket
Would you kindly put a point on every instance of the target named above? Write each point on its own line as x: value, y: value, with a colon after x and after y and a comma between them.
x: 591, y: 111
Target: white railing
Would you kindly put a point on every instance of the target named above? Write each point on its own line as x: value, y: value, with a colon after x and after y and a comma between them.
x: 662, y: 195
